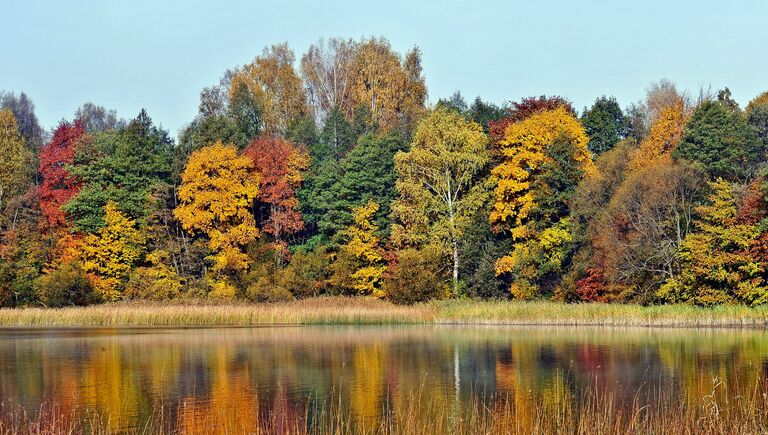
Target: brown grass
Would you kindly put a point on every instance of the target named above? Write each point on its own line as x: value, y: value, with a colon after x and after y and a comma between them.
x: 592, y: 412
x: 361, y: 310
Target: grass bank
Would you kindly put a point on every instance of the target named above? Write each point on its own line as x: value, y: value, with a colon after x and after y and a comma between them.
x: 362, y: 311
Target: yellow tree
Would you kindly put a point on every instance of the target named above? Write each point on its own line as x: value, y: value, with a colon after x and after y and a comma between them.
x: 543, y: 158
x: 390, y: 88
x: 216, y: 194
x: 363, y: 245
x: 12, y: 163
x: 666, y: 132
x: 439, y: 182
x: 109, y: 255
x: 275, y: 86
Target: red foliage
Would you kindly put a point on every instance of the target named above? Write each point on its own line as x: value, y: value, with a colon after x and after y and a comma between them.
x: 523, y: 109
x: 58, y: 185
x: 279, y: 162
x: 753, y: 204
x: 592, y: 287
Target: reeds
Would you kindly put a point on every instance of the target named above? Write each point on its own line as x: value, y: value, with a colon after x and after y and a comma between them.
x: 592, y: 411
x: 370, y: 311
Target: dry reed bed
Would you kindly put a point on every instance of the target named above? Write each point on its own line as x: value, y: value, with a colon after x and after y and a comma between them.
x: 593, y: 412
x: 360, y: 311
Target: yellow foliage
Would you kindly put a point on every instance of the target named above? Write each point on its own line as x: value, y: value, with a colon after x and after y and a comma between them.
x: 385, y: 85
x: 216, y: 194
x: 363, y: 244
x: 523, y: 152
x: 13, y: 175
x: 276, y: 87
x: 109, y: 255
x: 666, y: 132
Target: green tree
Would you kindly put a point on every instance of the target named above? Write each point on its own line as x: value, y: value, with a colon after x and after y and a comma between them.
x: 439, y: 183
x: 757, y: 117
x: 123, y: 166
x: 718, y: 136
x: 365, y: 173
x: 605, y: 124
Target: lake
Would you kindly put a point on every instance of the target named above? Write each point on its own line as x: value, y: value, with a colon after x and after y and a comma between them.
x: 241, y: 375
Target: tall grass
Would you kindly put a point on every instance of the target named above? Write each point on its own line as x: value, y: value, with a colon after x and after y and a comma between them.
x: 359, y: 311
x: 593, y: 411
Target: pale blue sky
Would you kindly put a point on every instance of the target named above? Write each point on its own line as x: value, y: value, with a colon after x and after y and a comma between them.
x: 159, y: 54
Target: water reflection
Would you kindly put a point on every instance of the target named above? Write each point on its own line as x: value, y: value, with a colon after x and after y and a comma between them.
x: 235, y: 377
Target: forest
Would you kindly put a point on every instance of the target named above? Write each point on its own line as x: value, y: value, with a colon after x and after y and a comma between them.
x: 330, y: 174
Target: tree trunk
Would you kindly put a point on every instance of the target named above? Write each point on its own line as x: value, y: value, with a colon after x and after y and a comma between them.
x: 455, y: 268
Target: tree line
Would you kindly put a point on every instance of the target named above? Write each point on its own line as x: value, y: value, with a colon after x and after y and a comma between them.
x: 336, y: 177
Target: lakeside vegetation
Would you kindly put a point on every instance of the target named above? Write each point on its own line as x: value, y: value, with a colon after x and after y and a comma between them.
x: 372, y: 311
x: 284, y: 187
x: 592, y: 411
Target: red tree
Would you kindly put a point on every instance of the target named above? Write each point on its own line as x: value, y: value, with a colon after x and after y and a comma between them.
x: 58, y: 185
x: 280, y: 164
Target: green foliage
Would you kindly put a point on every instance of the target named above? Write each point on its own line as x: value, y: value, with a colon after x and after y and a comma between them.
x: 605, y: 124
x: 717, y: 266
x: 122, y: 166
x: 307, y: 274
x: 757, y: 117
x: 336, y: 139
x: 417, y: 275
x: 64, y: 286
x: 244, y: 108
x: 718, y: 137
x: 332, y: 189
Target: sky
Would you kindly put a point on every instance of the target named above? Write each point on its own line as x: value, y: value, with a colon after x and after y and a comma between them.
x: 159, y: 54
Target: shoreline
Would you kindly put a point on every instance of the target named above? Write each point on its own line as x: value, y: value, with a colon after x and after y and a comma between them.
x: 370, y: 311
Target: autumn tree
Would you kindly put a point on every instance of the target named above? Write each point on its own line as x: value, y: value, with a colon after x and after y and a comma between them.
x: 216, y: 194
x: 605, y: 124
x: 277, y: 91
x: 757, y: 117
x: 58, y: 185
x: 26, y: 120
x: 520, y: 110
x: 363, y: 254
x: 13, y: 174
x: 392, y: 88
x: 439, y: 183
x: 326, y: 68
x: 280, y: 165
x: 109, y: 255
x: 664, y: 135
x: 717, y: 265
x: 719, y: 137
x: 94, y: 118
x: 643, y: 227
x: 544, y: 156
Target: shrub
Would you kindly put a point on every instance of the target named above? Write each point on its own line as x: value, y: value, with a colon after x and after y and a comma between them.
x: 416, y: 276
x: 67, y: 285
x: 157, y: 282
x: 306, y: 275
x: 264, y: 290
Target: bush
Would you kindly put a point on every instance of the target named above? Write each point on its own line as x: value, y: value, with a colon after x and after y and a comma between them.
x: 416, y: 276
x: 156, y: 282
x: 67, y: 285
x: 264, y: 290
x: 307, y: 273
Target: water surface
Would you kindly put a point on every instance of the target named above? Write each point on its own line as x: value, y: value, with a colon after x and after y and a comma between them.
x: 244, y: 373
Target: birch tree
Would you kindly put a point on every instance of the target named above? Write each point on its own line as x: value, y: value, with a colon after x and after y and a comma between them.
x: 439, y: 183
